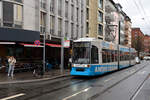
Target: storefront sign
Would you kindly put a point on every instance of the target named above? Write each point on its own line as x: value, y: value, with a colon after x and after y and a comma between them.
x: 67, y: 43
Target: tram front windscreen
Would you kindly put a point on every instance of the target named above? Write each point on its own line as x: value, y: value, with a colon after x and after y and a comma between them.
x: 81, y: 53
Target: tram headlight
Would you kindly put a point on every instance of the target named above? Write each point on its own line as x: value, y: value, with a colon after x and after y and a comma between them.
x: 86, y: 65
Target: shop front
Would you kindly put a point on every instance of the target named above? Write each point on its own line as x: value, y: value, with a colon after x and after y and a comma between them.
x: 10, y: 45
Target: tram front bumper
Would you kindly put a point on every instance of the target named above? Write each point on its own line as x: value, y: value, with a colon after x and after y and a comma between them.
x: 81, y: 72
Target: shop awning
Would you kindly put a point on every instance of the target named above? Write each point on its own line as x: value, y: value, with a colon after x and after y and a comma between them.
x: 7, y: 43
x: 47, y: 44
x: 18, y: 35
x: 30, y: 45
x: 53, y: 45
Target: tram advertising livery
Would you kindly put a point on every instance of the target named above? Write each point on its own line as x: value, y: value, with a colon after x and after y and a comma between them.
x: 93, y: 57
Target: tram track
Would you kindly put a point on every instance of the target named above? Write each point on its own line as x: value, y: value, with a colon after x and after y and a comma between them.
x: 82, y: 81
x: 72, y: 81
x: 140, y: 87
x: 105, y: 90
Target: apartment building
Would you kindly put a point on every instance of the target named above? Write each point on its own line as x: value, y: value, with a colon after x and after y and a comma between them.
x: 146, y: 43
x: 128, y: 24
x: 95, y: 19
x: 112, y: 21
x: 28, y: 20
x: 137, y: 39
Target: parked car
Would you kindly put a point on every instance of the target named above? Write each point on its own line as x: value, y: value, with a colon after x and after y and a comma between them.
x: 146, y: 58
x: 137, y: 59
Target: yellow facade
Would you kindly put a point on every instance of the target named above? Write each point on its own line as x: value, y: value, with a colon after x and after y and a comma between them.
x: 93, y: 22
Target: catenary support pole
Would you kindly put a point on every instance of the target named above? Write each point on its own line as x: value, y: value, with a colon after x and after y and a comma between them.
x: 44, y: 53
x: 62, y: 55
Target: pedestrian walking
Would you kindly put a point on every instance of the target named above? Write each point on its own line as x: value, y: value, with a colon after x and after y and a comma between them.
x: 11, y: 62
x: 70, y: 63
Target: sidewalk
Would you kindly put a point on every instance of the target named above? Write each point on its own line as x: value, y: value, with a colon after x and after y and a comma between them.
x: 22, y: 77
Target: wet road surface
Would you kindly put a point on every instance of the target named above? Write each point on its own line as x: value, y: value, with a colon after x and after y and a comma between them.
x: 121, y: 85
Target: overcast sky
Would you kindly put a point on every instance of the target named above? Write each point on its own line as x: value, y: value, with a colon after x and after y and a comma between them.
x: 134, y: 9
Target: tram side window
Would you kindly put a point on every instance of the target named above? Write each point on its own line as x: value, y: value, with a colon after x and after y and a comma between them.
x: 108, y: 56
x: 104, y: 56
x: 116, y: 55
x: 94, y: 55
x: 113, y: 56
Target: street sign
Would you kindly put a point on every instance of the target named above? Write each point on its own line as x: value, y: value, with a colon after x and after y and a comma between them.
x: 67, y: 43
x: 37, y: 42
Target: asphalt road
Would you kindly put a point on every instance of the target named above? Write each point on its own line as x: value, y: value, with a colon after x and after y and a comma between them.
x: 120, y: 85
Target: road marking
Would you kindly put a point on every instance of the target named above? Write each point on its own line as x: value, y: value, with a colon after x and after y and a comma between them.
x: 14, y: 96
x: 133, y: 98
x: 142, y: 72
x: 85, y: 90
x: 108, y: 80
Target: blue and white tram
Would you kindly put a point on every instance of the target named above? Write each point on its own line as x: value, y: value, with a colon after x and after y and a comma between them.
x: 93, y: 57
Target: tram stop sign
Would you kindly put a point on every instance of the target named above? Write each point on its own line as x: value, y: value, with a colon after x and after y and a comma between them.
x: 37, y: 42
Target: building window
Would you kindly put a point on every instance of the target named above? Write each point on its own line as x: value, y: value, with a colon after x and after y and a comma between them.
x: 66, y: 29
x: 43, y: 4
x: 77, y: 15
x: 72, y: 12
x: 100, y: 30
x: 77, y: 31
x: 20, y: 1
x: 42, y: 22
x: 82, y: 18
x: 66, y: 9
x: 59, y: 7
x: 59, y: 27
x: 72, y: 31
x: 82, y: 34
x: 52, y: 3
x: 12, y: 17
x: 72, y: 1
x: 77, y: 2
x: 100, y: 16
x: 87, y: 2
x: 52, y: 24
x: 18, y: 15
x: 87, y: 14
x: 100, y: 4
x: 87, y: 28
x: 8, y: 14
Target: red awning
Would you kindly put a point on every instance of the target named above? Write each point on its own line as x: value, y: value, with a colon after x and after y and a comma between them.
x: 30, y: 45
x: 53, y: 45
x: 47, y: 44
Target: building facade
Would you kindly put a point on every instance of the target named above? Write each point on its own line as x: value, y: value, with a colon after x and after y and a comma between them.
x: 112, y: 21
x: 128, y: 25
x: 57, y: 18
x: 54, y: 18
x: 137, y: 40
x: 147, y: 43
x: 118, y: 24
x: 95, y: 13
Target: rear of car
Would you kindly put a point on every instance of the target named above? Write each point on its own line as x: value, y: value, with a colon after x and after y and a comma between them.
x: 137, y: 60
